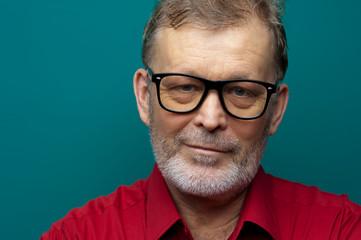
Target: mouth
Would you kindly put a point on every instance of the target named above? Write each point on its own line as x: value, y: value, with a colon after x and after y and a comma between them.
x: 208, y: 148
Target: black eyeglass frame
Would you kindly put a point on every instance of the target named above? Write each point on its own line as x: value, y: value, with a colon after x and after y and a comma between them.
x: 209, y: 84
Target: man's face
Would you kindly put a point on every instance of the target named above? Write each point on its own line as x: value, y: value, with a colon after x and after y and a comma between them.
x: 208, y: 153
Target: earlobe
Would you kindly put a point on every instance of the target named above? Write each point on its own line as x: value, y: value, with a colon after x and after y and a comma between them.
x: 279, y: 108
x: 141, y: 94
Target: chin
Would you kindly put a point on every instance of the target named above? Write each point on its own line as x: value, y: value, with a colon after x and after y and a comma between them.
x: 209, y: 178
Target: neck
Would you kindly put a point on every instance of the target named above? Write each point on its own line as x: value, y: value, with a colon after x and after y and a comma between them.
x: 208, y: 217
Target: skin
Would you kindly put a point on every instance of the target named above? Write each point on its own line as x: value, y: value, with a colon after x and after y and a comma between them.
x: 243, y: 51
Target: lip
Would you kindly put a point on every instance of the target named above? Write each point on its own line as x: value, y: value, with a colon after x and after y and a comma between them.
x: 208, y: 148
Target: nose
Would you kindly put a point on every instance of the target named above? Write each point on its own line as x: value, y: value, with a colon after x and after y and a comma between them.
x: 211, y: 114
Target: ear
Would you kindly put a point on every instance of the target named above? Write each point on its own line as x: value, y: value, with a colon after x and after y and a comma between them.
x: 141, y: 94
x: 279, y: 108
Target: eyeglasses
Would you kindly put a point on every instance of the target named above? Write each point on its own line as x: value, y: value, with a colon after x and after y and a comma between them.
x: 240, y: 98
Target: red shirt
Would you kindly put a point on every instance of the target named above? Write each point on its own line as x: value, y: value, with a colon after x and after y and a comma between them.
x: 273, y: 209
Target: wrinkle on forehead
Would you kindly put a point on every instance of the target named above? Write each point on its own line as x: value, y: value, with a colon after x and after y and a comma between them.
x: 227, y: 52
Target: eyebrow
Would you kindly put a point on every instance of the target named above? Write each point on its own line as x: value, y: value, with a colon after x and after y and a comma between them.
x: 230, y: 76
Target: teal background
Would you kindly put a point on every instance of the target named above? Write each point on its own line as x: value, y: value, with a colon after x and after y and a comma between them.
x: 69, y: 127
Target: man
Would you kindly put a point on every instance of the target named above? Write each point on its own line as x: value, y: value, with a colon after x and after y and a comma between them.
x: 211, y: 95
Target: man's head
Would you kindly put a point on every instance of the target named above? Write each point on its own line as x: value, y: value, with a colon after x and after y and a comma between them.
x: 207, y: 152
x: 217, y: 14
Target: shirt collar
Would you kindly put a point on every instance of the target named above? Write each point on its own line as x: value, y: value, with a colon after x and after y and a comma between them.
x: 258, y: 206
x: 161, y: 211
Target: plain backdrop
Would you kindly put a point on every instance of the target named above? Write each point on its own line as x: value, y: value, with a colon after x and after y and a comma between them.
x: 69, y: 127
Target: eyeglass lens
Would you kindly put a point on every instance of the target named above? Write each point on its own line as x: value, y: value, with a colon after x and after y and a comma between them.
x: 241, y: 98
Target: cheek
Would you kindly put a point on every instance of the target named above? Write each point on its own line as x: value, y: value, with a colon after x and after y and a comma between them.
x: 169, y: 123
x: 249, y: 131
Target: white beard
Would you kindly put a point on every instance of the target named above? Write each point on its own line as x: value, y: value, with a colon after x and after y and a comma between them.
x: 207, y: 176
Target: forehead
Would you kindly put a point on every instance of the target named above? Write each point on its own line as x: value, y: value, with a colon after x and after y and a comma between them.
x: 216, y: 54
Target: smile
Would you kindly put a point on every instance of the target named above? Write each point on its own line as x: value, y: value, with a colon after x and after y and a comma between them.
x: 207, y: 149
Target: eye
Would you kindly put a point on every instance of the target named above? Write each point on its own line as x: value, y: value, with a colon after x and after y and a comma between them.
x: 186, y: 88
x: 240, y: 91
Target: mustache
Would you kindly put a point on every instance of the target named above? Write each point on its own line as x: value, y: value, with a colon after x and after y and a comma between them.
x: 203, y: 137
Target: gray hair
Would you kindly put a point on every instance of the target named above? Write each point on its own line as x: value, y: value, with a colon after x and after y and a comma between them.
x: 215, y: 14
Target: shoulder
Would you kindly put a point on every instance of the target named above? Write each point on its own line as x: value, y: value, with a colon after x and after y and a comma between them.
x: 312, y: 208
x: 120, y: 208
x: 297, y: 193
x: 123, y: 198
